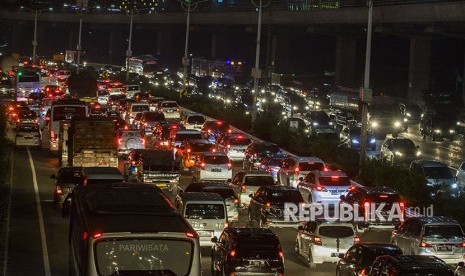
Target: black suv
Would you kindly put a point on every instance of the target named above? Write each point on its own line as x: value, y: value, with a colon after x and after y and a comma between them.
x: 247, y: 250
x: 368, y: 199
x: 360, y: 257
x: 437, y: 126
x: 256, y: 151
x: 409, y: 265
x: 267, y: 205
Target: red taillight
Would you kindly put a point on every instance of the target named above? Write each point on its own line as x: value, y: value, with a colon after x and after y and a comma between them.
x: 320, y: 189
x: 296, y: 170
x: 334, y: 177
x: 316, y: 240
x: 59, y: 191
x: 229, y: 166
x: 202, y: 165
x: 120, y: 141
x: 281, y: 255
x: 356, y: 240
x: 366, y: 204
x: 84, y: 236
x: 228, y: 146
x: 232, y: 253
x: 326, y: 169
x: 97, y: 235
x: 190, y: 235
x: 213, y: 150
x: 236, y: 200
x: 189, y: 150
x: 268, y: 205
x: 229, y: 131
x: 461, y: 244
x: 425, y: 244
x: 243, y: 187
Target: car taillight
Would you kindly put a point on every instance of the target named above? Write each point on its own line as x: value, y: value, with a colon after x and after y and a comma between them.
x: 190, y: 235
x: 356, y: 239
x: 202, y: 166
x: 188, y: 150
x: 316, y: 240
x: 281, y: 255
x: 59, y: 191
x: 243, y: 187
x: 462, y: 244
x: 425, y: 244
x: 120, y: 141
x: 232, y: 253
x: 268, y: 205
x: 366, y: 204
x: 236, y: 200
x: 229, y: 166
x: 213, y: 150
x: 97, y: 235
x: 296, y: 170
x: 321, y: 189
x: 228, y: 146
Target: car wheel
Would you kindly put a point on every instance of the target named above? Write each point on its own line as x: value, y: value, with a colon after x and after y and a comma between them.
x: 310, y: 262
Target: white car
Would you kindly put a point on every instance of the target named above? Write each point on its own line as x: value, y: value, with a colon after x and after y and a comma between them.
x: 28, y: 135
x: 234, y: 146
x: 170, y: 109
x: 212, y: 166
x: 322, y: 241
x: 324, y: 186
x: 193, y: 121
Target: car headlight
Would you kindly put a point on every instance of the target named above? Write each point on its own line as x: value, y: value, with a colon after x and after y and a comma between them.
x: 405, y: 120
x: 451, y: 131
x: 437, y: 131
x: 307, y: 131
x: 397, y: 124
x: 355, y: 141
x: 454, y: 186
x: 372, y: 141
x: 315, y: 123
x: 398, y: 153
x: 408, y: 114
x: 374, y: 124
x: 418, y: 153
x: 458, y: 123
x: 330, y: 123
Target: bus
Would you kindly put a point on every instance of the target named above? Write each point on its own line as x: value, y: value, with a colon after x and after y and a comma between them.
x: 146, y: 65
x: 128, y: 229
x: 28, y: 80
x: 63, y: 110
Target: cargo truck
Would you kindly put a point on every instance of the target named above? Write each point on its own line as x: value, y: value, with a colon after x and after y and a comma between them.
x: 88, y: 142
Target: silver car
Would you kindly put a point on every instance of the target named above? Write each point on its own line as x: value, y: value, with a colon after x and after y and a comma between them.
x: 437, y: 236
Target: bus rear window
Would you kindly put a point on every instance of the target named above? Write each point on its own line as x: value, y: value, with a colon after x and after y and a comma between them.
x: 143, y: 257
x: 67, y: 112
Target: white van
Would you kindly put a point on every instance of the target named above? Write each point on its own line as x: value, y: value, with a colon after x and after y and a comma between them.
x: 128, y: 229
x: 206, y: 212
x: 132, y: 89
x: 134, y: 109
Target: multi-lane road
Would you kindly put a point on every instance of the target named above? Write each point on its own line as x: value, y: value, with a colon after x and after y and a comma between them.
x: 38, y: 234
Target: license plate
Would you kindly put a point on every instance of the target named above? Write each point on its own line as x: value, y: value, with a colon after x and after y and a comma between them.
x: 257, y: 263
x: 169, y: 111
x: 444, y: 248
x: 334, y: 192
x: 205, y: 234
x: 216, y: 170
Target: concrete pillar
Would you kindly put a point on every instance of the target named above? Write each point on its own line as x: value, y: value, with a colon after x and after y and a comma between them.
x: 346, y: 50
x: 280, y: 47
x: 219, y: 46
x: 419, y: 68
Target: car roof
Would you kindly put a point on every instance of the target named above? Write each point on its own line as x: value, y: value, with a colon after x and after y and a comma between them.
x: 201, y: 197
x: 376, y: 190
x: 129, y: 207
x: 375, y: 245
x: 430, y: 163
x: 101, y: 170
x: 416, y: 261
x: 436, y: 220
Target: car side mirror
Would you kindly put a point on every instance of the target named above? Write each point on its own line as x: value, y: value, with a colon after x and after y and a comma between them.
x: 65, y: 208
x: 53, y: 176
x: 251, y: 195
x: 214, y: 239
x: 342, y: 197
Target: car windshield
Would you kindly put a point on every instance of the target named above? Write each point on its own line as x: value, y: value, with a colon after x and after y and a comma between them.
x: 169, y: 104
x: 198, y: 120
x: 69, y: 176
x: 334, y: 181
x: 269, y: 148
x: 255, y: 244
x: 311, y: 166
x: 438, y: 172
x: 403, y: 143
x: 28, y: 129
x: 67, y: 112
x: 201, y: 147
x: 375, y: 251
x: 217, y: 159
x: 336, y: 231
x: 155, y: 116
x: 140, y: 108
x: 259, y: 180
x: 225, y: 193
x: 204, y: 211
x: 142, y: 256
x: 443, y: 231
x: 240, y: 141
x: 285, y: 196
x: 187, y: 136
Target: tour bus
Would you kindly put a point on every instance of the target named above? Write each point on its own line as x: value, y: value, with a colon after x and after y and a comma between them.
x: 146, y: 65
x: 28, y: 80
x: 128, y: 229
x: 63, y: 110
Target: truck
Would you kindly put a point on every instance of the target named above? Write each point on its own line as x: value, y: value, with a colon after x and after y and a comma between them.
x: 384, y: 113
x: 152, y: 166
x: 87, y: 142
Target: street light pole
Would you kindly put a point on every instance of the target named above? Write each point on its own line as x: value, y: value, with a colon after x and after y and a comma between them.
x: 366, y: 93
x: 34, y: 42
x: 79, y: 47
x: 185, y: 60
x: 256, y: 71
x: 129, y: 51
